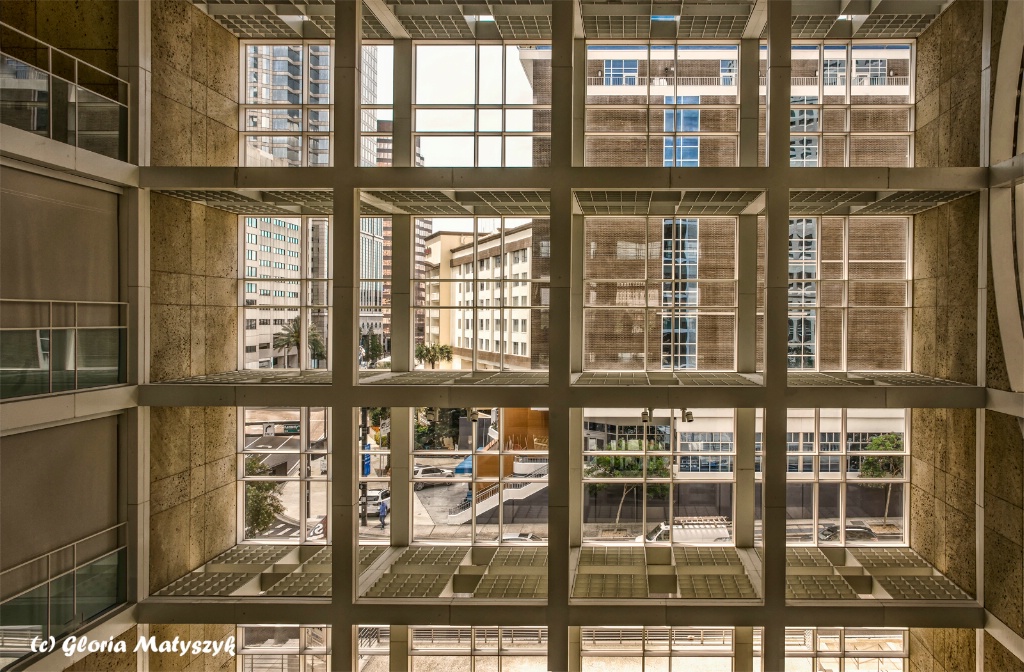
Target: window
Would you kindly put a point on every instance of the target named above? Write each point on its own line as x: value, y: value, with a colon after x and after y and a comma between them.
x: 618, y: 72
x: 728, y: 72
x: 682, y: 152
x: 687, y: 120
x: 803, y: 152
x: 803, y: 120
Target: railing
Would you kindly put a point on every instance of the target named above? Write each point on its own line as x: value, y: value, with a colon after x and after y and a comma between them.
x: 55, y: 593
x: 634, y: 80
x: 492, y: 490
x: 60, y: 346
x: 840, y: 80
x: 48, y: 92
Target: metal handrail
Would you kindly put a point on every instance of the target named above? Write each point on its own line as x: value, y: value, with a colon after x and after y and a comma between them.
x: 669, y: 80
x: 77, y: 61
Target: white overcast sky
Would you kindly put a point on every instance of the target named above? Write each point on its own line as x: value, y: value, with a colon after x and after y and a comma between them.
x: 446, y: 74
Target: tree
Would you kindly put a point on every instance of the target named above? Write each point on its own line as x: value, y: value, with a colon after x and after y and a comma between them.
x: 626, y: 466
x: 262, y: 499
x: 883, y: 466
x: 290, y: 337
x: 373, y: 348
x: 434, y: 432
x: 432, y: 353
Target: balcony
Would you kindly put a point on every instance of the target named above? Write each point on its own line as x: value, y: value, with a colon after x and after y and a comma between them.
x: 632, y: 85
x: 52, y: 94
x: 860, y: 85
x: 60, y: 346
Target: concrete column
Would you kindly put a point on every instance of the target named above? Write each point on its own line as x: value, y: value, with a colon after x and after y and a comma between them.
x: 575, y: 649
x: 746, y: 295
x: 347, y: 84
x: 401, y: 439
x: 345, y: 334
x: 579, y: 97
x: 399, y: 650
x: 562, y: 85
x: 403, y: 149
x: 135, y: 65
x: 749, y: 64
x: 743, y: 515
x: 773, y: 466
x: 743, y: 650
x: 575, y: 478
x: 401, y: 292
x: 577, y: 293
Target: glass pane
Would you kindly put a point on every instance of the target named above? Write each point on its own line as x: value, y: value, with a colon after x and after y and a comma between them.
x: 455, y: 151
x: 101, y: 585
x: 445, y: 74
x: 100, y: 357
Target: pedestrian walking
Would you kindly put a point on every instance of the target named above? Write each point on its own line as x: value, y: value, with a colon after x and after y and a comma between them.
x: 383, y: 513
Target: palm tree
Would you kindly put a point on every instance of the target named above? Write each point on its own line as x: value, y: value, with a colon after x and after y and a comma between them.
x: 432, y: 353
x: 290, y: 337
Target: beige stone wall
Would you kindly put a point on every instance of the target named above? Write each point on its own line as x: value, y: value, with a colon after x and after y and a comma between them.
x: 86, y: 29
x: 1004, y: 513
x: 195, y: 88
x: 999, y: 658
x: 192, y: 476
x: 948, y: 112
x: 942, y: 650
x: 172, y: 662
x: 942, y: 523
x: 111, y: 662
x: 194, y: 266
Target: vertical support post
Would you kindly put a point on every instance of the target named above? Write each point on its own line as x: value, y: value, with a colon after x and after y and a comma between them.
x: 776, y: 331
x: 402, y: 145
x: 577, y: 294
x: 399, y: 649
x: 579, y: 96
x: 401, y: 292
x: 746, y: 280
x: 575, y: 649
x: 575, y: 478
x: 750, y: 55
x: 985, y: 159
x: 743, y: 650
x: 345, y: 335
x: 135, y: 66
x: 401, y: 502
x: 743, y: 518
x: 561, y: 438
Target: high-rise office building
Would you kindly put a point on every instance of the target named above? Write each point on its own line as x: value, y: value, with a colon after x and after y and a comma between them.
x: 702, y: 318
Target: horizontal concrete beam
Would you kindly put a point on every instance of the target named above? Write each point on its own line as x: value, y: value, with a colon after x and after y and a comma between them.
x: 826, y: 613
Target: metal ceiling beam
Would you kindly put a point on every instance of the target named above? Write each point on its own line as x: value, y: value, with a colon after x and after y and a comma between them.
x: 757, y: 20
x: 387, y: 18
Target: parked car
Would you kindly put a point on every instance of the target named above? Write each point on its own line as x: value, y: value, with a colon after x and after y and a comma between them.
x: 854, y: 532
x: 441, y: 474
x: 522, y: 537
x: 373, y: 498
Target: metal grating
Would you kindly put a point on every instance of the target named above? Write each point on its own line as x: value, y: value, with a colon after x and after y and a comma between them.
x: 610, y: 586
x: 511, y: 586
x: 657, y: 378
x: 895, y: 25
x: 715, y: 587
x: 207, y: 584
x: 816, y: 25
x: 409, y: 585
x: 316, y: 584
x: 711, y: 27
x: 818, y: 588
x: 372, y: 27
x: 921, y: 588
x: 524, y: 27
x: 806, y: 557
x: 873, y: 558
x: 725, y: 556
x: 251, y: 555
x: 617, y: 27
x: 437, y: 27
